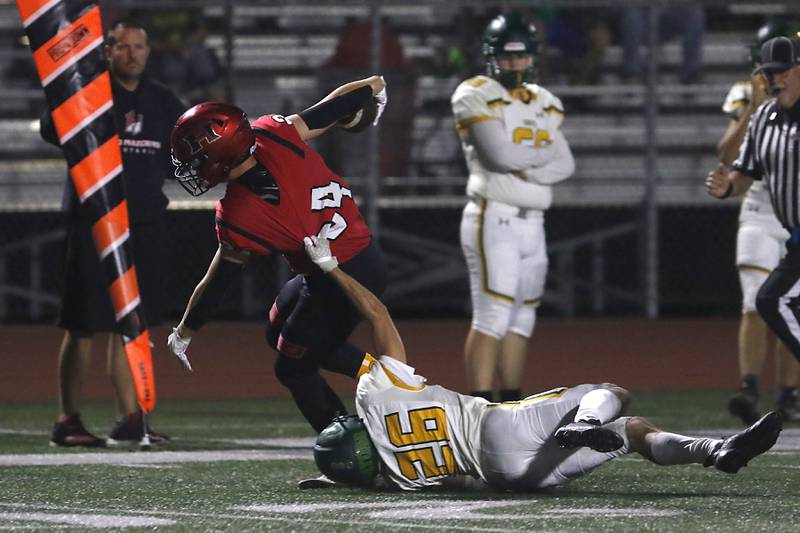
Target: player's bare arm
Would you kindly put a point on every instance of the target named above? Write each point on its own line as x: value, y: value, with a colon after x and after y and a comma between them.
x: 343, y: 101
x: 224, y: 266
x: 728, y: 145
x: 720, y: 183
x: 385, y: 338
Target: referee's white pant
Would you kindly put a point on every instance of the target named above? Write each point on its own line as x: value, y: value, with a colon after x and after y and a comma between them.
x: 778, y: 299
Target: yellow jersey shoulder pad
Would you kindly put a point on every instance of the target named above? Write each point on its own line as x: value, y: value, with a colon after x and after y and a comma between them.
x: 548, y: 101
x: 482, y: 87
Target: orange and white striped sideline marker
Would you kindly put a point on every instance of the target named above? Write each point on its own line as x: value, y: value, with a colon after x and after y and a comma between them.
x: 66, y: 38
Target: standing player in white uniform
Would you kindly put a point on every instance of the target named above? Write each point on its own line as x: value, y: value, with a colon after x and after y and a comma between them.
x: 760, y: 244
x: 418, y: 435
x: 510, y: 130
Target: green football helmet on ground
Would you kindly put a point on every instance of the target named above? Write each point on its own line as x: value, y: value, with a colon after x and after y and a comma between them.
x: 345, y: 453
x: 773, y: 28
x: 508, y: 33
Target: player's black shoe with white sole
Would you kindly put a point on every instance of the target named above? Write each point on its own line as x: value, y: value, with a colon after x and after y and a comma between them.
x: 588, y: 433
x: 129, y: 430
x: 736, y: 451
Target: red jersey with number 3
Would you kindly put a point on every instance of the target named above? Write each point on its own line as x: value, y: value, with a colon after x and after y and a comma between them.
x: 290, y: 195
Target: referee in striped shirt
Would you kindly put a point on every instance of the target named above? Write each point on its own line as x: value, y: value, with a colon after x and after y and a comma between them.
x: 771, y: 151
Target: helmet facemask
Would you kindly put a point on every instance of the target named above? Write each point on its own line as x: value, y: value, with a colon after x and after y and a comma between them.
x: 188, y: 174
x: 511, y: 79
x: 208, y: 141
x: 345, y: 453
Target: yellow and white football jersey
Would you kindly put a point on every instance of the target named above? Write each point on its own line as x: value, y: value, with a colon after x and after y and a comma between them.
x: 737, y: 99
x: 531, y: 116
x: 423, y: 433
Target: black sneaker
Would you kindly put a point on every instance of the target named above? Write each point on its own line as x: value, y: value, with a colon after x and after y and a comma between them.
x: 128, y: 429
x: 588, y: 433
x: 744, y: 405
x: 736, y: 451
x: 71, y: 432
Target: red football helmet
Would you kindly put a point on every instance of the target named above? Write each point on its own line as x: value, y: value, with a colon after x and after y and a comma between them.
x: 207, y: 141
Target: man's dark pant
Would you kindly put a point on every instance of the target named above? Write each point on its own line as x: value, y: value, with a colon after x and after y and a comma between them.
x: 778, y: 300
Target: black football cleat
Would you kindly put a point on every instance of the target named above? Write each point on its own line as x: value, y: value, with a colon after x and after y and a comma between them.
x: 128, y: 429
x: 71, y: 432
x: 736, y: 451
x: 744, y: 406
x: 588, y: 433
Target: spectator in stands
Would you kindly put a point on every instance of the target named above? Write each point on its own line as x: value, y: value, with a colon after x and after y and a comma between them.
x: 180, y: 58
x: 344, y: 153
x: 686, y: 20
x: 144, y: 111
x: 759, y: 247
x: 462, y: 52
x: 581, y: 36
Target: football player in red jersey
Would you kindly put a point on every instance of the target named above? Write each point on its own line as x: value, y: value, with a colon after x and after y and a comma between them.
x: 279, y: 190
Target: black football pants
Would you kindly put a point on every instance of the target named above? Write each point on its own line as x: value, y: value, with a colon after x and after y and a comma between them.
x: 778, y: 299
x: 309, y: 325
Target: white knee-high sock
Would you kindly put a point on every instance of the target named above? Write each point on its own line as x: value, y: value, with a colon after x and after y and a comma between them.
x: 599, y: 404
x: 673, y: 449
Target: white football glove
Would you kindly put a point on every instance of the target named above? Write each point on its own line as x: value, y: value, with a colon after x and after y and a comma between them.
x: 319, y: 251
x: 381, y: 100
x: 178, y: 345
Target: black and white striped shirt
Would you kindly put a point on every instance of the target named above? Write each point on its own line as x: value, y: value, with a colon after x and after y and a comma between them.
x: 771, y: 151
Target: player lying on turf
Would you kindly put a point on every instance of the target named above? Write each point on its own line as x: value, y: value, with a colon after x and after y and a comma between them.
x: 417, y: 435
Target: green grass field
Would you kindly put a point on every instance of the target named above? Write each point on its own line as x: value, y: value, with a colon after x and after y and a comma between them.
x: 233, y: 466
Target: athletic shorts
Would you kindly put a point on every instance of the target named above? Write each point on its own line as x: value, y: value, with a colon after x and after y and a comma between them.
x: 85, y: 304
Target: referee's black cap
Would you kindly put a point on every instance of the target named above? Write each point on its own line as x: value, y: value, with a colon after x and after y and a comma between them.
x: 779, y: 54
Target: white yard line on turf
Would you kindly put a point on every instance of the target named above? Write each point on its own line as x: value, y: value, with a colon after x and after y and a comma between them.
x: 205, y: 516
x: 152, y: 457
x: 86, y: 520
x: 282, y: 442
x: 392, y: 515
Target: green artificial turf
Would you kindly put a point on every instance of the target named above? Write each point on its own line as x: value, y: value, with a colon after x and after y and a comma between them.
x: 249, y: 487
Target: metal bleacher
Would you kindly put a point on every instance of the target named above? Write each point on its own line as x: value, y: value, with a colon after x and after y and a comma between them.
x: 270, y: 65
x: 277, y: 52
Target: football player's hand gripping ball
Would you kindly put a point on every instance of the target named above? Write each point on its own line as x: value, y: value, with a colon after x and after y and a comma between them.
x: 319, y: 251
x: 178, y: 345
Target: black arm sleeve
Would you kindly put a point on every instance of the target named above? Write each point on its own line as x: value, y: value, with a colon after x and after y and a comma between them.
x: 326, y: 113
x: 215, y: 290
